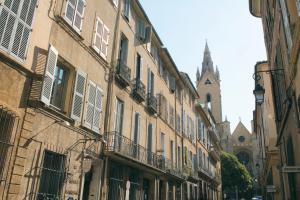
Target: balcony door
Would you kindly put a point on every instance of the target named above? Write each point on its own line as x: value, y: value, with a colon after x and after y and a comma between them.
x: 149, y: 143
x: 136, y: 134
x: 119, y: 111
x: 150, y: 85
x: 123, y: 50
x: 138, y: 69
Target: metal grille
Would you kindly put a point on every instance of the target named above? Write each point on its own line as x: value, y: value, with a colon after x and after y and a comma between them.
x: 7, y: 122
x: 52, y: 176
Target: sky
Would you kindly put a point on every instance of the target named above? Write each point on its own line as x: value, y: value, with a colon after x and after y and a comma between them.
x: 235, y: 39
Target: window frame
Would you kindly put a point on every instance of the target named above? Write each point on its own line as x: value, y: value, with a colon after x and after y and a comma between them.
x: 72, y: 23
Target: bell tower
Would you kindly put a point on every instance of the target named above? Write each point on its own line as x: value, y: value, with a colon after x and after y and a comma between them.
x: 208, y: 85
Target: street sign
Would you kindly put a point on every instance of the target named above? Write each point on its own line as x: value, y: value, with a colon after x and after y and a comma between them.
x: 291, y: 169
x: 271, y: 188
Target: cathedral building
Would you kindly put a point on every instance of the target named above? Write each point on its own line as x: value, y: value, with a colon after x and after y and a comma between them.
x: 241, y: 142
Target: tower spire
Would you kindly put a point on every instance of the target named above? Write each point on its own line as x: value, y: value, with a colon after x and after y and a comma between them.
x: 207, y: 63
x: 198, y: 75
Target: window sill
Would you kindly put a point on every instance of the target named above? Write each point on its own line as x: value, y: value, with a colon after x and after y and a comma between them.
x: 98, y: 55
x: 69, y: 28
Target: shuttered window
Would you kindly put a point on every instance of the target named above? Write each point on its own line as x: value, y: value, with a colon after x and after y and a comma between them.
x: 93, y: 107
x: 126, y: 8
x: 16, y: 18
x: 78, y: 96
x: 74, y: 13
x: 101, y: 38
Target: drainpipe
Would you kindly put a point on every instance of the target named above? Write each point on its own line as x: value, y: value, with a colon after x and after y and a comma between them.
x: 109, y: 100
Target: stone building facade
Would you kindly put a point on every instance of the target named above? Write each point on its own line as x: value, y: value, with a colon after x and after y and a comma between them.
x: 280, y: 20
x: 92, y: 106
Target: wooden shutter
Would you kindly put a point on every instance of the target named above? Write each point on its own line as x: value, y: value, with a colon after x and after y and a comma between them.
x: 70, y: 11
x: 98, y: 35
x: 49, y: 75
x: 78, y: 96
x: 97, y: 110
x: 105, y: 39
x: 79, y: 15
x: 90, y: 103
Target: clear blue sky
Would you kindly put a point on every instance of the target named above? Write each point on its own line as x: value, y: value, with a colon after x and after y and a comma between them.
x: 235, y: 39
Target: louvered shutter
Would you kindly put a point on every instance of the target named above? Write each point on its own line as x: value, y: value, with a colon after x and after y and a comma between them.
x: 89, y: 112
x: 98, y: 35
x: 97, y: 110
x: 78, y: 96
x: 49, y: 75
x: 105, y: 38
x: 79, y: 15
x: 70, y: 11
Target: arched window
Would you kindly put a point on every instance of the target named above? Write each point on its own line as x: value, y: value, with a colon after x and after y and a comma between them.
x: 207, y: 82
x: 208, y: 98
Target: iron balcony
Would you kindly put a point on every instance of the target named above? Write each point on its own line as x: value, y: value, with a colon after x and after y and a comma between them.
x: 138, y: 90
x: 172, y: 169
x: 123, y: 74
x: 122, y: 145
x: 152, y: 103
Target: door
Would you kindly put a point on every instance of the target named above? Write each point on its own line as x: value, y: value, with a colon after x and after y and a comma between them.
x: 119, y: 124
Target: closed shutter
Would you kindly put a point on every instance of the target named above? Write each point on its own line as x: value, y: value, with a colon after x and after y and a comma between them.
x: 97, y: 110
x: 105, y: 38
x: 49, y: 75
x: 98, y: 35
x: 70, y: 11
x: 78, y: 96
x: 89, y: 112
x: 79, y: 15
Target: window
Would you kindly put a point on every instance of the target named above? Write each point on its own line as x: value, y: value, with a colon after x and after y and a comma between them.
x: 150, y: 136
x: 150, y: 85
x: 123, y: 50
x: 172, y: 116
x: 119, y: 116
x: 7, y: 121
x: 241, y: 139
x: 207, y: 82
x: 172, y: 150
x: 101, y: 38
x: 163, y: 107
x: 138, y: 69
x: 52, y: 176
x: 179, y: 156
x: 136, y: 134
x: 15, y: 26
x: 59, y: 87
x: 74, y: 13
x: 162, y: 143
x: 126, y: 9
x: 178, y: 123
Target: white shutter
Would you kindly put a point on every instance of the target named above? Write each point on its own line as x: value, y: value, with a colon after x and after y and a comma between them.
x: 78, y: 96
x: 89, y: 112
x: 98, y: 35
x: 49, y: 75
x: 70, y: 11
x: 79, y: 15
x: 97, y: 110
x: 105, y: 39
x: 116, y: 2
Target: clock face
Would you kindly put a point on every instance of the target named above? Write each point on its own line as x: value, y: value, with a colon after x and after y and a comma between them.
x: 242, y: 139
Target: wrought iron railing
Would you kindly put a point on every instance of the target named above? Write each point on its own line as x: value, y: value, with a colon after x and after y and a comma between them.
x: 123, y: 73
x: 138, y: 90
x: 152, y: 103
x: 172, y: 168
x: 125, y: 146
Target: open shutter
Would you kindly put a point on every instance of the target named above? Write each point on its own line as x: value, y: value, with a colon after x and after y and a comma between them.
x: 70, y: 11
x: 49, y: 75
x: 98, y: 35
x: 79, y: 15
x: 105, y: 38
x: 89, y: 112
x: 78, y: 96
x: 97, y: 110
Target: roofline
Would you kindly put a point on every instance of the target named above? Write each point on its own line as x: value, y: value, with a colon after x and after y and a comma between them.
x: 190, y: 84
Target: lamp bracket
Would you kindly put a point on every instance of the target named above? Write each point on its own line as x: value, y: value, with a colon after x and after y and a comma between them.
x: 256, y: 76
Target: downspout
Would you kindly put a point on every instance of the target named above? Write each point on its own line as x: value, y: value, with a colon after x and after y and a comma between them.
x: 109, y: 99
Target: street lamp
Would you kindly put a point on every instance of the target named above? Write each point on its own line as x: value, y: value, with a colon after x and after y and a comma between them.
x: 259, y: 93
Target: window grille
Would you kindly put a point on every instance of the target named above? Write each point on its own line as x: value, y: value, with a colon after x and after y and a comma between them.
x: 52, y: 176
x: 8, y: 122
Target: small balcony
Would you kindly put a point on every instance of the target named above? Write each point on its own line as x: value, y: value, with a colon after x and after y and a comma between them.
x: 123, y: 146
x: 172, y: 169
x: 138, y: 90
x: 152, y: 103
x: 214, y: 154
x: 123, y: 73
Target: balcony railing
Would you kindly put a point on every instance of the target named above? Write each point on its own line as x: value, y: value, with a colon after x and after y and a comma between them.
x: 171, y: 168
x: 152, y: 103
x: 138, y: 90
x: 126, y: 147
x: 123, y: 73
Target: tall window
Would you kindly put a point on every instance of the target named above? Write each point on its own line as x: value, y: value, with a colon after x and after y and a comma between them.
x: 172, y: 150
x: 74, y: 13
x: 126, y: 9
x: 150, y: 85
x: 7, y: 121
x: 15, y: 26
x: 179, y: 156
x: 138, y: 69
x: 291, y: 162
x: 136, y: 134
x: 162, y: 143
x: 52, y: 176
x: 123, y: 50
x: 119, y: 117
x: 101, y: 38
x: 59, y: 87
